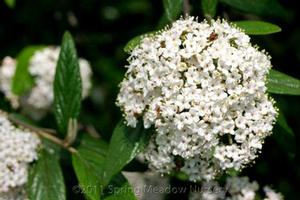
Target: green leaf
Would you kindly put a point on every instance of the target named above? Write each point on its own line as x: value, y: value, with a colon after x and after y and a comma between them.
x: 53, y: 148
x: 122, y: 192
x: 93, y: 144
x: 10, y: 3
x: 21, y: 119
x: 67, y: 85
x: 179, y: 175
x: 209, y: 8
x: 283, y: 123
x: 259, y: 7
x: 133, y: 43
x: 125, y: 144
x: 88, y: 163
x: 257, y: 27
x: 136, y: 41
x: 232, y: 172
x: 173, y: 9
x: 22, y: 81
x: 119, y: 189
x: 45, y: 181
x: 280, y: 83
x: 163, y: 22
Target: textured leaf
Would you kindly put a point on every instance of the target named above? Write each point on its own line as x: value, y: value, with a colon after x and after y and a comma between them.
x: 22, y: 81
x: 54, y: 149
x: 67, y: 85
x: 125, y: 144
x: 209, y: 7
x: 257, y: 27
x: 45, y: 181
x: 93, y: 144
x: 136, y: 41
x: 280, y: 83
x: 119, y: 189
x: 173, y: 9
x: 259, y: 7
x: 88, y: 164
x: 10, y: 3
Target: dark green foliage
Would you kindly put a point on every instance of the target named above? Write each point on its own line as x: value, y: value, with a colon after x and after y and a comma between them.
x: 67, y: 85
x: 45, y: 181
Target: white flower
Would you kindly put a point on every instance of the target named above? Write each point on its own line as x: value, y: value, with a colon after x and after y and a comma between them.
x: 240, y: 188
x: 236, y: 188
x: 42, y: 68
x: 7, y: 71
x: 202, y: 87
x: 18, y: 148
x: 271, y: 194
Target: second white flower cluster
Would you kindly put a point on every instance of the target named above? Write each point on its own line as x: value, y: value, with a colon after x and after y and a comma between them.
x: 42, y: 67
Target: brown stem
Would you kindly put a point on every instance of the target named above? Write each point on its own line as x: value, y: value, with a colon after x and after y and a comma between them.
x: 186, y: 8
x: 91, y: 130
x: 72, y: 132
x: 41, y: 132
x: 57, y: 141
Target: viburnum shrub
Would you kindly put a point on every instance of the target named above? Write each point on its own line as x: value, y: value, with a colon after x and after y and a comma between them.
x: 196, y: 105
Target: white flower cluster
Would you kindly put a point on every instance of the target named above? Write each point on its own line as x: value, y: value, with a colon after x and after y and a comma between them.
x: 18, y: 148
x: 202, y: 86
x: 236, y: 188
x: 14, y: 194
x: 42, y: 68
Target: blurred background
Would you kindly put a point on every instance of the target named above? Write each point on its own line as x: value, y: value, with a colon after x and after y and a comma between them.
x: 101, y: 30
